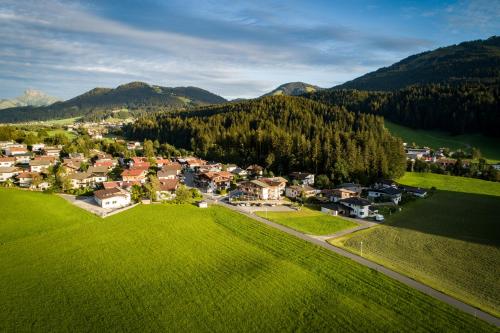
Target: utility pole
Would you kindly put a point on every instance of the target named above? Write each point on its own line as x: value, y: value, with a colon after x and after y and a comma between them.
x: 361, y: 248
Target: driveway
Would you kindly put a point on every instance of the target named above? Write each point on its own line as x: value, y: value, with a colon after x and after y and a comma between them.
x: 89, y: 204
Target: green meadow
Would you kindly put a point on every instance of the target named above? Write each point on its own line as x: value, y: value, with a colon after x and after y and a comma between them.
x: 489, y: 147
x: 309, y: 221
x: 450, y: 241
x: 450, y: 183
x: 181, y: 268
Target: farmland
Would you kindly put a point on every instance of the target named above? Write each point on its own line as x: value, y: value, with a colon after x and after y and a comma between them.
x: 180, y: 268
x: 490, y: 147
x: 451, y: 183
x: 309, y: 221
x: 450, y: 241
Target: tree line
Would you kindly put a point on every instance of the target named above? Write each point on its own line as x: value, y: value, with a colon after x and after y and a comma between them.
x: 283, y: 134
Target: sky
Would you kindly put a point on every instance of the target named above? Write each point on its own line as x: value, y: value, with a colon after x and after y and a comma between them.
x: 230, y: 47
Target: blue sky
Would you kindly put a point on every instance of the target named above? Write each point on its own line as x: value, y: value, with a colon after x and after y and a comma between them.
x: 232, y: 48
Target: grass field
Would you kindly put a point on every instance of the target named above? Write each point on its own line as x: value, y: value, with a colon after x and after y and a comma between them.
x: 65, y: 121
x: 490, y: 147
x: 450, y: 241
x: 450, y: 183
x: 309, y: 221
x: 180, y: 268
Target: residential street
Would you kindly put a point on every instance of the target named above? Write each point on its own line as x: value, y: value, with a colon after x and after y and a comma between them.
x: 318, y: 240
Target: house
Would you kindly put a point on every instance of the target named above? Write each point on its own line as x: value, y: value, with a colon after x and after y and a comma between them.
x: 38, y: 165
x: 174, y: 166
x: 141, y: 166
x: 99, y: 174
x: 202, y: 204
x: 278, y: 182
x: 385, y: 183
x: 297, y: 191
x: 108, y: 164
x: 336, y: 209
x: 496, y: 166
x: 213, y: 181
x: 7, y: 173
x: 303, y: 178
x: 388, y: 193
x: 37, y: 147
x: 25, y: 179
x: 23, y: 158
x: 134, y: 175
x: 167, y: 189
x: 360, y: 207
x: 121, y: 184
x: 166, y: 174
x: 112, y: 198
x: 338, y: 194
x: 52, y: 151
x: 242, y: 173
x: 134, y: 145
x: 7, y: 162
x: 352, y: 187
x: 212, y: 167
x: 445, y: 162
x: 255, y: 170
x: 81, y: 180
x: 16, y: 150
x: 160, y: 162
x: 415, y: 191
x: 259, y: 190
x: 194, y: 163
x: 231, y: 167
x: 417, y: 153
x: 4, y: 144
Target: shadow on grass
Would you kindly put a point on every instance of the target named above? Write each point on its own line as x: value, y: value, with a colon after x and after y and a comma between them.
x: 463, y: 216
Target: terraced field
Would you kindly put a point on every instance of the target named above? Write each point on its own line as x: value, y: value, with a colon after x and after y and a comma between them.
x: 180, y: 268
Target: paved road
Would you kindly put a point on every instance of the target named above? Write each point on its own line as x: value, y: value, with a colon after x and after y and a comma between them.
x: 399, y: 277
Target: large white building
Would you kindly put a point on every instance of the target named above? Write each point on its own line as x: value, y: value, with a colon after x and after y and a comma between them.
x: 112, y: 198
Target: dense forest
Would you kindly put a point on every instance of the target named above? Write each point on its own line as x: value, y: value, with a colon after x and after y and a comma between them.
x: 283, y: 134
x: 458, y: 108
x: 135, y: 96
x: 473, y: 61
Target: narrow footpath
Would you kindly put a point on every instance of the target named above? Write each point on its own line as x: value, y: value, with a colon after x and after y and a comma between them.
x: 379, y: 268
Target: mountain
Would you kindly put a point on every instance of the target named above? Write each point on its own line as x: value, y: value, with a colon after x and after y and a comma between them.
x: 99, y: 102
x: 474, y: 61
x: 293, y: 89
x: 283, y: 134
x: 30, y: 97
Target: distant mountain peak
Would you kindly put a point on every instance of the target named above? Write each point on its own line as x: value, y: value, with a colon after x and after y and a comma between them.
x: 294, y: 89
x: 31, y: 97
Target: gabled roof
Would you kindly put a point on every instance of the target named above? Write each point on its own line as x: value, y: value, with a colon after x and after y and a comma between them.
x: 133, y: 172
x: 166, y: 173
x: 8, y: 169
x: 169, y: 185
x: 109, y: 193
x: 356, y: 201
x: 80, y: 175
x: 387, y: 190
x: 98, y: 169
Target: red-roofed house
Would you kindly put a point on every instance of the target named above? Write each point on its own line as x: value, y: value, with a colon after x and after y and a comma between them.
x: 134, y: 175
x: 167, y: 189
x: 7, y: 162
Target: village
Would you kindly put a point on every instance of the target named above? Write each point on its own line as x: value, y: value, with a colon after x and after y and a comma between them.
x: 116, y: 182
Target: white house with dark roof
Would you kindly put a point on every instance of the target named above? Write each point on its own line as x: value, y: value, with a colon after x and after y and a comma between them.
x: 360, y: 207
x: 112, y: 198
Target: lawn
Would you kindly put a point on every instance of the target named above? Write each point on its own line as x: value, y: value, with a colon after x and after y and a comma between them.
x: 450, y: 241
x: 309, y: 221
x: 450, y: 183
x: 490, y: 147
x: 181, y: 268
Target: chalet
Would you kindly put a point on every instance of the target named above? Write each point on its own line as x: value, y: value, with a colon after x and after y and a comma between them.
x: 39, y: 165
x: 303, y: 178
x: 81, y: 180
x: 278, y: 182
x: 385, y: 183
x: 388, y: 193
x: 122, y: 184
x: 259, y: 190
x: 360, y: 207
x: 37, y: 147
x: 213, y: 167
x: 297, y: 191
x: 7, y: 162
x: 242, y: 173
x: 166, y: 174
x: 174, y: 166
x: 167, y: 189
x: 194, y: 163
x: 7, y: 173
x: 108, y: 164
x: 23, y: 158
x: 133, y: 175
x: 352, y: 187
x: 52, y: 151
x: 255, y: 170
x: 13, y: 151
x: 112, y: 198
x: 99, y: 174
x: 417, y: 153
x: 26, y: 180
x: 336, y: 209
x: 338, y: 194
x: 213, y: 181
x: 161, y: 162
